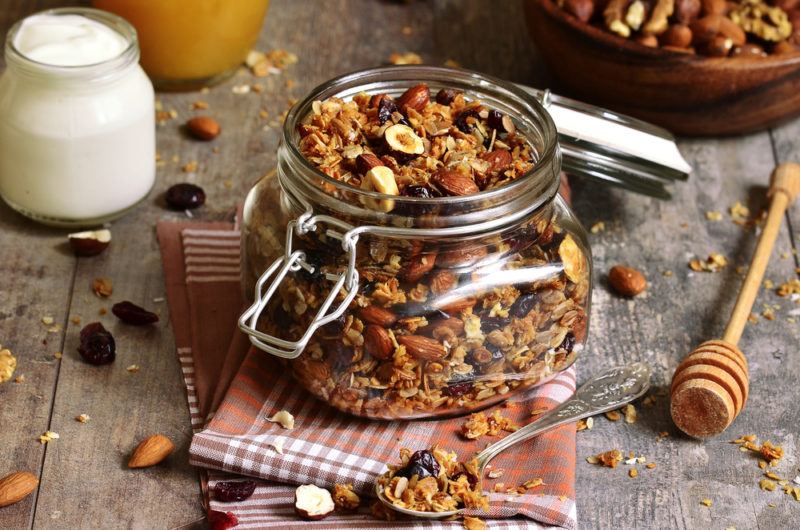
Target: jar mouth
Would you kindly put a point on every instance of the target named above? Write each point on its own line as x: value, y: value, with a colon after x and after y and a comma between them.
x: 118, y: 24
x: 538, y: 185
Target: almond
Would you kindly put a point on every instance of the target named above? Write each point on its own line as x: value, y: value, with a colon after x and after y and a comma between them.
x: 443, y: 282
x: 713, y: 7
x: 626, y: 281
x: 416, y: 97
x: 462, y: 256
x: 498, y: 158
x: 151, y: 451
x: 459, y: 304
x: 452, y: 182
x: 423, y: 347
x: 203, y: 128
x: 367, y: 161
x: 373, y: 314
x: 705, y: 29
x: 417, y: 267
x: 16, y: 486
x: 377, y: 342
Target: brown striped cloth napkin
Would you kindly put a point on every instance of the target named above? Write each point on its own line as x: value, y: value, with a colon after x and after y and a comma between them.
x: 245, y: 386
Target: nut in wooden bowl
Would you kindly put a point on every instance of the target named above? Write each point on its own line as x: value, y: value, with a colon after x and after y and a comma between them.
x: 649, y: 71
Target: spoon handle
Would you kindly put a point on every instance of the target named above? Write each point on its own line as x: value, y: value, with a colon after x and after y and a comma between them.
x: 608, y: 391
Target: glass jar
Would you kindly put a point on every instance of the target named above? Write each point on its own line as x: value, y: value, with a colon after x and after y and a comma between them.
x: 189, y: 44
x: 77, y: 138
x: 440, y: 307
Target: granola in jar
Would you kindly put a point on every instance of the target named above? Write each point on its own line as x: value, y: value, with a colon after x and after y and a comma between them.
x: 440, y: 324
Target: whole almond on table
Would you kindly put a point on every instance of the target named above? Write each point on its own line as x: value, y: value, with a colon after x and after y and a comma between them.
x: 626, y: 281
x: 16, y: 486
x: 203, y: 128
x: 151, y: 451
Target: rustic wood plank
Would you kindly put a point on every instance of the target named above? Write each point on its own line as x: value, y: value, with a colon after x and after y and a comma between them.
x: 36, y: 275
x: 84, y: 471
x: 677, y: 313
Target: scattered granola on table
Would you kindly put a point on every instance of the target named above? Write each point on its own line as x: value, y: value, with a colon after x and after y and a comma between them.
x: 8, y: 363
x: 433, y: 480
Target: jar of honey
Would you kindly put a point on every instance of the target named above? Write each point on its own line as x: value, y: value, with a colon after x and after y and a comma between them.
x: 188, y: 44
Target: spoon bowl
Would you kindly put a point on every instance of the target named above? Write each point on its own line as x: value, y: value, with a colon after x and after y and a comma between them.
x: 608, y: 391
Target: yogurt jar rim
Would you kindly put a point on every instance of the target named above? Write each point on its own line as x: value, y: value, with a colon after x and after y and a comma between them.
x: 114, y: 22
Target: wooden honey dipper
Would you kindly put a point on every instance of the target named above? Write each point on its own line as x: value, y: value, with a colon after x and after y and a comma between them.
x: 710, y: 385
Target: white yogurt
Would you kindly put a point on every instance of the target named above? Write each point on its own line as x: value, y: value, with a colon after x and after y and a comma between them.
x: 77, y: 125
x: 67, y: 40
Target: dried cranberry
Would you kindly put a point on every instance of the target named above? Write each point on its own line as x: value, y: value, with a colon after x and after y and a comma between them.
x: 234, y: 491
x: 422, y: 463
x: 569, y: 342
x: 423, y: 192
x: 185, y: 196
x: 369, y: 287
x: 131, y: 313
x: 461, y: 121
x: 221, y: 521
x: 523, y: 305
x: 457, y: 389
x: 472, y: 479
x: 523, y: 238
x: 446, y: 96
x: 489, y: 324
x: 495, y: 119
x: 385, y: 109
x: 97, y: 346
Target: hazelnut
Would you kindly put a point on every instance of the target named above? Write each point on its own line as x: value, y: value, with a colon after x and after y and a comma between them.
x: 89, y: 243
x: 677, y: 35
x: 402, y: 138
x: 312, y: 502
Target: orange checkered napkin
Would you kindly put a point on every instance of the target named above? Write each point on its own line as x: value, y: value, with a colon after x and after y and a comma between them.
x: 245, y: 387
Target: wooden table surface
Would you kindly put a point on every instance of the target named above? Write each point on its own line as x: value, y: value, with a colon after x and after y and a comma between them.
x: 84, y: 479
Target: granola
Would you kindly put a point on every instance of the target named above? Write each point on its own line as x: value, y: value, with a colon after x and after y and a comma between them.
x: 437, y: 326
x: 433, y: 480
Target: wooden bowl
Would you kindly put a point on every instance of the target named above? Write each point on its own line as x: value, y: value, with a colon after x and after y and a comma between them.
x: 688, y: 94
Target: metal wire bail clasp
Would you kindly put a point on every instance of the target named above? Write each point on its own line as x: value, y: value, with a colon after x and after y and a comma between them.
x: 292, y: 261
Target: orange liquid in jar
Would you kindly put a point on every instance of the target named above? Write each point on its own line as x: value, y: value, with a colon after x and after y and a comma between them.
x: 190, y: 43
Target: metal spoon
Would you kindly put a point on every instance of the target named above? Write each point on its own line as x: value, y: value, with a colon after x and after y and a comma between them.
x: 607, y: 391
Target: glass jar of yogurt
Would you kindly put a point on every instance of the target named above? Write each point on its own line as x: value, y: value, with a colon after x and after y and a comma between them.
x: 77, y: 131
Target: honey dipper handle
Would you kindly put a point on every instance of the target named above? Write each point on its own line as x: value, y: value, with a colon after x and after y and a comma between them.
x: 784, y: 187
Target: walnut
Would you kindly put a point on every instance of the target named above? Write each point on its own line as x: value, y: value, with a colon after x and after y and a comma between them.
x: 768, y: 23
